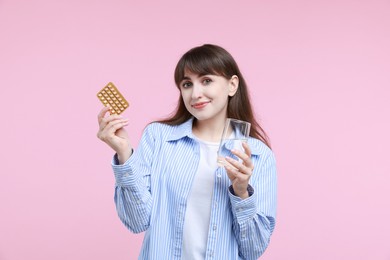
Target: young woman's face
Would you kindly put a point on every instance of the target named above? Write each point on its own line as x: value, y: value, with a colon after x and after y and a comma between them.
x: 206, y: 96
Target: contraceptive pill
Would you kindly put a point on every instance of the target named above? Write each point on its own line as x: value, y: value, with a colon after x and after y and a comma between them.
x: 112, y: 98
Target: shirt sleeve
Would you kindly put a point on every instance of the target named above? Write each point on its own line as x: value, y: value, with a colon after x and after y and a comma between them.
x: 254, y: 217
x: 132, y: 198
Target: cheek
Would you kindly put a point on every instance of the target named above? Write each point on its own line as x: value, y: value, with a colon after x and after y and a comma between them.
x: 183, y: 96
x: 186, y: 98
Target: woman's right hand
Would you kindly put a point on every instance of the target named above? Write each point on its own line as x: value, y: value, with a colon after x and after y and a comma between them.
x: 111, y: 132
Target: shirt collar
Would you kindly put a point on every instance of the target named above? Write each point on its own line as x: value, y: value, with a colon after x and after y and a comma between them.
x: 182, y: 130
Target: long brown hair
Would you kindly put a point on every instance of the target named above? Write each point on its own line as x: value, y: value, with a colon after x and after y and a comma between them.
x: 212, y: 59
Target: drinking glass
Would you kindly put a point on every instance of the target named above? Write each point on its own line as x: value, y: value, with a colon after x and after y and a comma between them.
x: 234, y: 134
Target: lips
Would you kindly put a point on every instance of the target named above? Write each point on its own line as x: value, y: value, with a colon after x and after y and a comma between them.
x: 200, y: 105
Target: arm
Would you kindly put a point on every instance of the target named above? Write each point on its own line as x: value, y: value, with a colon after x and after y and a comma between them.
x: 254, y: 217
x: 132, y: 171
x: 132, y: 198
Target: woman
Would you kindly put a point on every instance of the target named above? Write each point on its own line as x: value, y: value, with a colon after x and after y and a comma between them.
x: 171, y: 186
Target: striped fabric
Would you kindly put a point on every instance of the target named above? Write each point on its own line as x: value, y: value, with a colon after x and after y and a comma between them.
x: 153, y: 186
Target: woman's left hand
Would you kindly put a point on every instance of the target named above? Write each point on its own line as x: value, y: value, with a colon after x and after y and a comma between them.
x: 240, y: 172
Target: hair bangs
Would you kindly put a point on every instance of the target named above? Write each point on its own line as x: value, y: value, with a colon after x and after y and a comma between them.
x: 199, y: 62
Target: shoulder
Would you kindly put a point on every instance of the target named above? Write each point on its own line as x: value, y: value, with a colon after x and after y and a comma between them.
x: 160, y: 130
x: 264, y: 160
x: 167, y: 132
x: 260, y: 149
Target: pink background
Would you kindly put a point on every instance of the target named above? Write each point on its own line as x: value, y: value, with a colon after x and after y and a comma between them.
x: 319, y: 74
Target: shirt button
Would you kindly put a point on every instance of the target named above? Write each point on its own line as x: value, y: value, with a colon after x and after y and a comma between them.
x: 215, y: 227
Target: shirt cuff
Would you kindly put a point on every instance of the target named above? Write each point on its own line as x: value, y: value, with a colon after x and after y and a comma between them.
x: 123, y: 173
x: 250, y: 190
x: 243, y: 209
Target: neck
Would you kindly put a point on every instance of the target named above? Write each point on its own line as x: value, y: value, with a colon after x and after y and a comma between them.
x: 210, y: 131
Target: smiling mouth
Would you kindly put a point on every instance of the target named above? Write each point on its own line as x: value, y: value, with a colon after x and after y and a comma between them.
x: 200, y: 105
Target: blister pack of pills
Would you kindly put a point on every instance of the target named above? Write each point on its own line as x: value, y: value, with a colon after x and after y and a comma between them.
x: 111, y: 97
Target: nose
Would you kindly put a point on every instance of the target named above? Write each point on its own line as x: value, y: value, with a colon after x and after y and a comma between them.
x: 197, y: 91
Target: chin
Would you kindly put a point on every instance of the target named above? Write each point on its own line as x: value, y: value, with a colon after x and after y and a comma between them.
x: 200, y: 118
x: 203, y: 117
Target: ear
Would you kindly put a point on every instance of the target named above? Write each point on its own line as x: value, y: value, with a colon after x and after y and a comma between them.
x: 233, y: 85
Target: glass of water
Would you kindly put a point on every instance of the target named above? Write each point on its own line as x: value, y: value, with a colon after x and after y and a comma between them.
x: 234, y: 134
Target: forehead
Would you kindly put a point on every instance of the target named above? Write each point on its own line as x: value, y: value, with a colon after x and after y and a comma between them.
x: 191, y: 74
x: 201, y: 66
x: 187, y: 73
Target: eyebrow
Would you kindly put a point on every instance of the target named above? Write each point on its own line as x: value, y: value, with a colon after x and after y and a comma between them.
x: 198, y: 76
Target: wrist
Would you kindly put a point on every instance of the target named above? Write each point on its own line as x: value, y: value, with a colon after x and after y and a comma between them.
x: 124, y: 156
x: 244, y: 194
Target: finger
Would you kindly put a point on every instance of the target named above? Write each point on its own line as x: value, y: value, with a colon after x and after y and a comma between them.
x: 227, y: 164
x: 231, y: 174
x: 247, y: 161
x: 235, y: 175
x: 243, y: 156
x: 109, y: 131
x: 102, y: 113
x: 108, y: 119
x: 247, y: 149
x: 231, y: 171
x: 239, y: 166
x: 115, y: 125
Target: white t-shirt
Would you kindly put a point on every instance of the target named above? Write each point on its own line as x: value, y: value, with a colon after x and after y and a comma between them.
x: 197, y: 218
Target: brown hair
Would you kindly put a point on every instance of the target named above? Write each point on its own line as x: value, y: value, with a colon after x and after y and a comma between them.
x: 211, y: 59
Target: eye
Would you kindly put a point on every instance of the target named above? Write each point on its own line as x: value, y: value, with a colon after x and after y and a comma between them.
x: 186, y: 84
x: 207, y: 81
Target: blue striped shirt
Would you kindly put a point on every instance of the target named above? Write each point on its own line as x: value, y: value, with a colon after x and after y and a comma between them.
x: 153, y: 185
